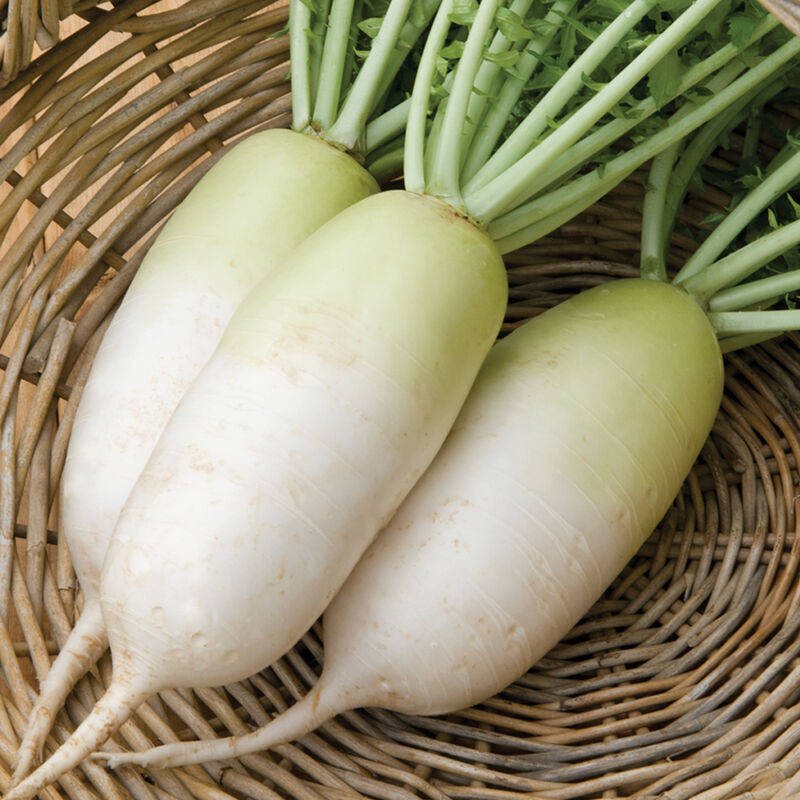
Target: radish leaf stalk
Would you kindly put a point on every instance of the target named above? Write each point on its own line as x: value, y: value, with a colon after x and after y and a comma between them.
x: 726, y: 274
x: 537, y: 177
x: 542, y: 214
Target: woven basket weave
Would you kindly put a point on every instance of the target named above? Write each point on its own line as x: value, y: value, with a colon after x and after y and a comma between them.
x: 682, y: 682
x: 28, y: 26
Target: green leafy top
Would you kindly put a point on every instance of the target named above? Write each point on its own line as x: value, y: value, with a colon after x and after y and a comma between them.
x: 524, y: 112
x: 348, y: 62
x: 746, y: 269
x: 538, y: 116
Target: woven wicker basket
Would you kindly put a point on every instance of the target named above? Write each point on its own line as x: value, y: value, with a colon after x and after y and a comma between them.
x: 682, y: 682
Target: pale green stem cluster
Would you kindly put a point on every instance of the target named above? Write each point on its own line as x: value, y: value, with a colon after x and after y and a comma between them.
x: 489, y: 80
x: 520, y: 144
x: 444, y: 179
x: 710, y: 285
x: 754, y: 203
x: 542, y: 215
x: 518, y: 182
x: 416, y: 128
x: 669, y: 179
x: 536, y: 179
x: 329, y: 97
x: 447, y: 137
x: 719, y: 275
x: 352, y: 119
x: 487, y: 133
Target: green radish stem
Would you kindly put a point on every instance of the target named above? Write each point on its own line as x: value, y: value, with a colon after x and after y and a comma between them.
x: 489, y: 78
x: 416, y: 127
x: 333, y: 105
x: 520, y: 142
x: 508, y: 188
x: 740, y: 264
x: 719, y: 275
x: 299, y: 44
x: 756, y: 201
x: 534, y: 218
x: 653, y: 261
x: 751, y: 293
x: 443, y: 181
x: 492, y: 122
x: 348, y: 127
x: 522, y: 210
x: 334, y: 53
x: 669, y: 179
x: 755, y: 322
x: 668, y: 182
x: 723, y: 66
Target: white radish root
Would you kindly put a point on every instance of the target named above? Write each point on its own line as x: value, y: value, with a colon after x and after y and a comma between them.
x: 332, y: 389
x: 234, y: 228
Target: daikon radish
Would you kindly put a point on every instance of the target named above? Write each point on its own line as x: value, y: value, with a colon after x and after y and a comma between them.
x: 332, y: 388
x: 572, y: 444
x: 533, y: 180
x: 238, y: 223
x: 263, y: 198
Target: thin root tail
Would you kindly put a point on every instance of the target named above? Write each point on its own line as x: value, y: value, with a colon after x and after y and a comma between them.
x: 84, y: 646
x: 298, y: 720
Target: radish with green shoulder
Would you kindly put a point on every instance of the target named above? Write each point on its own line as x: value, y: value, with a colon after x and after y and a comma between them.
x: 233, y: 228
x: 331, y: 390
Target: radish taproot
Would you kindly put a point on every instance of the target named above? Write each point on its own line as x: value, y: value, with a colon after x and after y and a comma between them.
x: 331, y: 390
x: 238, y: 223
x: 263, y: 197
x: 572, y: 444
